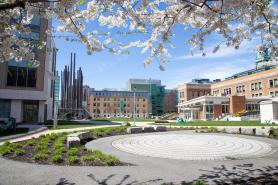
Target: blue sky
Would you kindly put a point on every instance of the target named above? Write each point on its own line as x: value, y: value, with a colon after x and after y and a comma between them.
x: 106, y: 70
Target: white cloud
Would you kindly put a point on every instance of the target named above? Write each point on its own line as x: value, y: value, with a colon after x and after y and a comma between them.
x: 211, y: 70
x: 247, y: 47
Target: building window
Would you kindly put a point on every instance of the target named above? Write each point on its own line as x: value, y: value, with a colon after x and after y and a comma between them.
x: 240, y: 89
x: 273, y: 83
x: 225, y: 109
x: 274, y: 93
x: 227, y: 91
x: 5, y: 108
x: 256, y: 86
x: 21, y: 76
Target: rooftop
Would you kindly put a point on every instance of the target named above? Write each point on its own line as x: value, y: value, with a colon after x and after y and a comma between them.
x: 251, y: 71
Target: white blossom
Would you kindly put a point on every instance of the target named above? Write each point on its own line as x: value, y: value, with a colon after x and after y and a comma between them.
x: 234, y: 20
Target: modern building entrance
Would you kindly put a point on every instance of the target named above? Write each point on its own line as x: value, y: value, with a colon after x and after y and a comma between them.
x: 30, y: 111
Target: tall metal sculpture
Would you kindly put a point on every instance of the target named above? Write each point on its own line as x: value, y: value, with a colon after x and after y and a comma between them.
x: 71, y: 89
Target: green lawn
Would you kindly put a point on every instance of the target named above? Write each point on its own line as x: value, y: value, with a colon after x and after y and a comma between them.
x: 18, y: 131
x: 123, y: 119
x: 218, y: 123
x: 66, y: 124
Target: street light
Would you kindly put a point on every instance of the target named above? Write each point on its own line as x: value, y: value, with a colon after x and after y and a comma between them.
x: 134, y: 108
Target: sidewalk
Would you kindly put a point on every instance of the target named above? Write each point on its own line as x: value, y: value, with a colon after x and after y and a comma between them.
x: 37, y: 134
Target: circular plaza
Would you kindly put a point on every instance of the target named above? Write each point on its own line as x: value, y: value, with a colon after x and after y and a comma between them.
x: 193, y: 147
x: 185, y: 146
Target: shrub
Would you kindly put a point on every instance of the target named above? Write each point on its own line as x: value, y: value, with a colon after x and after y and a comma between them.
x: 5, y: 150
x: 30, y: 142
x: 73, y: 151
x: 56, y: 158
x: 111, y: 160
x: 19, y: 152
x: 62, y: 149
x: 73, y: 159
x: 107, y: 159
x: 161, y: 121
x: 60, y: 142
x: 41, y: 147
x: 40, y: 156
x: 7, y: 143
x: 14, y: 146
x: 87, y: 158
x: 52, y: 136
x: 98, y: 154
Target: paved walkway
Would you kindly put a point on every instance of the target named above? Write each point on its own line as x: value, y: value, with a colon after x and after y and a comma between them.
x: 145, y: 170
x: 36, y: 135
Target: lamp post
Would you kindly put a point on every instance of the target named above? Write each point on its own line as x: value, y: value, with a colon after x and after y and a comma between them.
x: 134, y: 107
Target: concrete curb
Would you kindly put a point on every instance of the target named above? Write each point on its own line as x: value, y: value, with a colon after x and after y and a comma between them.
x: 6, y: 138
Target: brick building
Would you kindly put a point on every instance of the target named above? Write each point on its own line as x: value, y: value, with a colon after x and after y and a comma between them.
x: 170, y: 101
x: 240, y: 93
x: 112, y: 103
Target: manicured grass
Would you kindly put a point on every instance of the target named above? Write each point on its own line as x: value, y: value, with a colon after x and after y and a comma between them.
x: 218, y: 123
x: 123, y: 119
x: 18, y: 131
x: 67, y: 124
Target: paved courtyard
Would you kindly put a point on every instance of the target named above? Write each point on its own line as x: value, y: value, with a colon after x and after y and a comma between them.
x: 260, y: 161
x: 193, y: 147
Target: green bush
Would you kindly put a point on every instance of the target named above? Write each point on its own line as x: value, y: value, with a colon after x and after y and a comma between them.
x: 88, y: 158
x: 56, y: 158
x: 14, y: 146
x: 40, y: 156
x: 5, y: 150
x: 73, y: 151
x: 73, y: 159
x: 107, y: 159
x: 30, y: 142
x: 111, y: 160
x: 98, y: 154
x: 52, y: 136
x: 62, y: 149
x: 59, y: 142
x: 41, y: 147
x: 161, y: 121
x: 7, y: 143
x: 19, y: 152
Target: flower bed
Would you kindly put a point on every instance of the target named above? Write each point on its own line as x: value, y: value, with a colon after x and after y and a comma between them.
x: 51, y: 149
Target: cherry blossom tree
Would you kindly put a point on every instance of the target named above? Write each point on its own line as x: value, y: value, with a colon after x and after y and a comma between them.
x: 234, y: 20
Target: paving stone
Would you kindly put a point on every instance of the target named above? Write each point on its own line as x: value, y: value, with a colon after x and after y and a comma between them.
x: 160, y: 128
x: 249, y: 131
x: 148, y: 129
x: 262, y: 132
x: 82, y: 135
x: 193, y: 147
x: 134, y: 130
x: 232, y: 130
x: 73, y: 141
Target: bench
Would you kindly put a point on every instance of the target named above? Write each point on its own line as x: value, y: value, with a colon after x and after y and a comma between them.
x: 75, y: 139
x: 160, y: 128
x: 134, y: 130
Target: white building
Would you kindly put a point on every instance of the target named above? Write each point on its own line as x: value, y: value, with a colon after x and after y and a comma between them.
x: 269, y: 111
x: 26, y: 91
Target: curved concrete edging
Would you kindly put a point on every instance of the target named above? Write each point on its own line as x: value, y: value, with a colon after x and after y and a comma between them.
x: 7, y: 138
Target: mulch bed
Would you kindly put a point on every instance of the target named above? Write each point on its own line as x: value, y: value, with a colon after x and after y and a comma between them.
x: 30, y: 151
